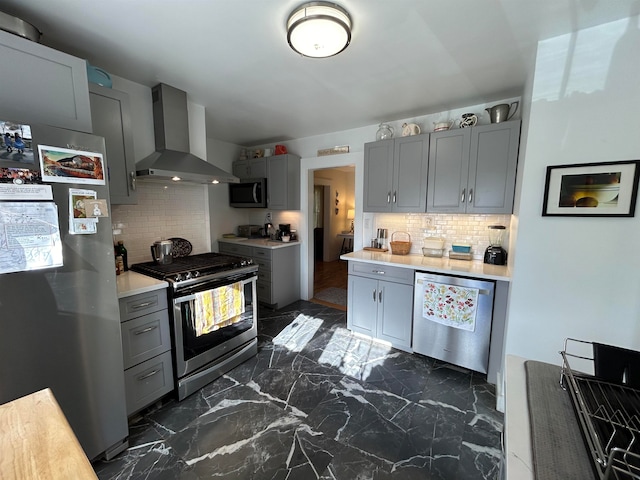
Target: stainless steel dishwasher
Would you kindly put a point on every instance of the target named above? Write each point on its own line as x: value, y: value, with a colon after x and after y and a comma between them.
x: 452, y: 319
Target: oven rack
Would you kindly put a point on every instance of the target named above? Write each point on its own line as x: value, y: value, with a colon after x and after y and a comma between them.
x: 609, y: 418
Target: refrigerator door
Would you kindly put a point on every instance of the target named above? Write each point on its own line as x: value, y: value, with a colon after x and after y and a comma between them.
x: 60, y: 327
x: 460, y: 334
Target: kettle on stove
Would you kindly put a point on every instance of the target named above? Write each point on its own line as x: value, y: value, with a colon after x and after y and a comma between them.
x: 161, y: 252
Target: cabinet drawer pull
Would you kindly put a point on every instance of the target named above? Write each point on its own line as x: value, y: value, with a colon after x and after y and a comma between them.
x: 145, y: 330
x: 471, y: 195
x: 462, y: 197
x: 379, y: 272
x: 142, y: 305
x: 150, y: 374
x: 132, y: 175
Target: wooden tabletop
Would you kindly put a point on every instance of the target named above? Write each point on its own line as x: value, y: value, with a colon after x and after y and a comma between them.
x: 37, y: 442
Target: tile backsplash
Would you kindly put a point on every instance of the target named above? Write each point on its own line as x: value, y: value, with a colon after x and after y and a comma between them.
x: 163, y: 211
x: 468, y: 229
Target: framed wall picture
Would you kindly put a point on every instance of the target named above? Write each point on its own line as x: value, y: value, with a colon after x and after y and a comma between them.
x: 606, y: 189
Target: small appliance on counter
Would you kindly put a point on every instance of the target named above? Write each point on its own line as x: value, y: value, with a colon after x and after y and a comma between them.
x: 249, y: 231
x: 284, y: 230
x: 495, y: 254
x: 268, y: 230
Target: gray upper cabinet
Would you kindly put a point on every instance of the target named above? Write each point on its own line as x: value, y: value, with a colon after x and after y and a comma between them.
x: 378, y: 176
x: 250, y: 168
x: 448, y: 170
x: 283, y: 182
x: 42, y: 85
x: 473, y: 170
x: 111, y: 117
x: 395, y: 174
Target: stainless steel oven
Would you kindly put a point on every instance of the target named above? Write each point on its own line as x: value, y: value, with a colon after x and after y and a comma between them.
x: 203, y: 353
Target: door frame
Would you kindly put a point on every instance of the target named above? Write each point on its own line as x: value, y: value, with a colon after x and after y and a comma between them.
x: 307, y: 167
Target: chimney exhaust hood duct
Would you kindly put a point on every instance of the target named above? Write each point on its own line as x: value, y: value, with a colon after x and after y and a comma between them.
x: 172, y: 160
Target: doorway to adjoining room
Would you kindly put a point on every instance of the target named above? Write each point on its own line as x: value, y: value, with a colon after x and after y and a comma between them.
x: 333, y: 197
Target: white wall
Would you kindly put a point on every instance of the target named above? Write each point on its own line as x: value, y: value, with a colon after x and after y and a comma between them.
x: 223, y: 218
x: 578, y: 277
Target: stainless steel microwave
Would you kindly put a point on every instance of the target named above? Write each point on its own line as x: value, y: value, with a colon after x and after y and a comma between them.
x: 249, y: 193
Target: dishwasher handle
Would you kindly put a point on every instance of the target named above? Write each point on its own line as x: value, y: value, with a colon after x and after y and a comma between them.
x: 421, y: 278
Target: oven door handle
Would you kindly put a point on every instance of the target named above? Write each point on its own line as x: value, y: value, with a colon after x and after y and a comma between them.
x: 187, y: 298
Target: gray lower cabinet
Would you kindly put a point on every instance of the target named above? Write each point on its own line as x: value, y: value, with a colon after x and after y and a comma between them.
x: 111, y: 118
x: 250, y: 168
x: 146, y: 346
x: 42, y: 85
x: 395, y: 174
x: 473, y: 170
x: 283, y: 182
x: 278, y: 271
x: 380, y: 303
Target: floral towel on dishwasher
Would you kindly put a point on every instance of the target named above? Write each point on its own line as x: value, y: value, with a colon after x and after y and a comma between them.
x: 450, y: 305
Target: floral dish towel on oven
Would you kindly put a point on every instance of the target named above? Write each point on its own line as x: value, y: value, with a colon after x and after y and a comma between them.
x: 218, y: 308
x: 450, y: 305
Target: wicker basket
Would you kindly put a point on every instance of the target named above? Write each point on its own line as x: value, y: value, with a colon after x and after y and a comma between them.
x: 400, y: 247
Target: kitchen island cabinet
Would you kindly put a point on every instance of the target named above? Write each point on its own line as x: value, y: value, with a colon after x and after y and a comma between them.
x: 395, y: 174
x: 283, y: 182
x: 278, y: 268
x: 111, y: 118
x: 473, y: 170
x: 43, y: 85
x: 380, y: 303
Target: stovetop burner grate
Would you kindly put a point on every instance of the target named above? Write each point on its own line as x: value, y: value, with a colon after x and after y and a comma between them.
x: 203, y: 263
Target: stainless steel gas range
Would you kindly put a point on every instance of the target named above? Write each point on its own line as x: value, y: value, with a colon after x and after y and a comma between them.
x: 214, y: 314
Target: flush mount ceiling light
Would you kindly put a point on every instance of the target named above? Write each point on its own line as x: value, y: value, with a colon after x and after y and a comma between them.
x: 319, y: 29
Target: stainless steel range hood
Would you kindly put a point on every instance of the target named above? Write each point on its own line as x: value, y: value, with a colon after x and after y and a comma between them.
x: 172, y: 160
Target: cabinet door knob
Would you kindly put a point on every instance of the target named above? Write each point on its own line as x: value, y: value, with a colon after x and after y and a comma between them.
x: 133, y: 180
x: 462, y: 197
x: 471, y: 195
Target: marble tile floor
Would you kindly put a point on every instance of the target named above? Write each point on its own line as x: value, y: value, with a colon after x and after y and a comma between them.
x: 318, y: 402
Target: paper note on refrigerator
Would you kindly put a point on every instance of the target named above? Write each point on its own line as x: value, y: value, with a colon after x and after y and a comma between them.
x: 29, y: 236
x: 79, y: 222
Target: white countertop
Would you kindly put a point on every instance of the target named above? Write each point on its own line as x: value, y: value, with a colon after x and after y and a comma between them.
x: 132, y: 283
x: 473, y: 268
x: 517, y: 430
x: 259, y: 242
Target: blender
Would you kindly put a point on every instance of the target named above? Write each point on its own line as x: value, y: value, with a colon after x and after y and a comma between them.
x: 495, y: 254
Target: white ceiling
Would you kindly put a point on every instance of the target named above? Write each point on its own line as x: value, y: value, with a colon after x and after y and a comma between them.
x: 406, y: 58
